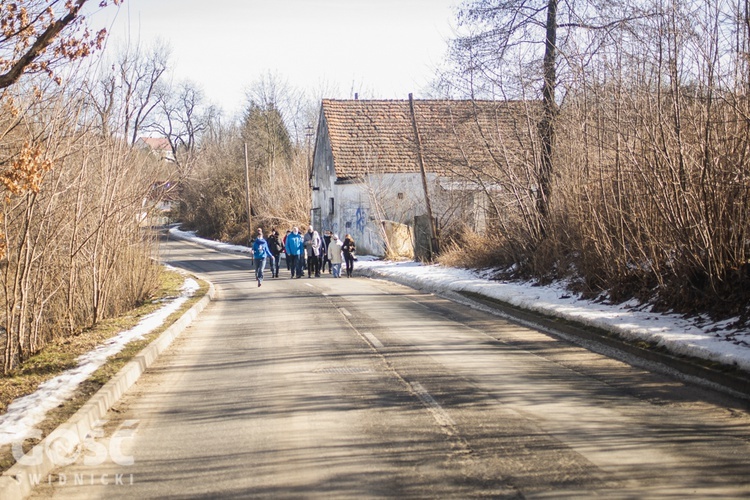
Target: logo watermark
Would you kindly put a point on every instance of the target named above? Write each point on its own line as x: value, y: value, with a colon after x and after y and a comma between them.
x: 81, y: 479
x: 65, y: 447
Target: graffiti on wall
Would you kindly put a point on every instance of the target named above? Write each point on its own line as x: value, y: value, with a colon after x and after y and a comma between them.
x: 361, y: 219
x: 356, y: 221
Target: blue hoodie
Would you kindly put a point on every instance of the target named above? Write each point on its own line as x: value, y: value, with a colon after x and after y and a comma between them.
x: 294, y: 244
x: 260, y: 249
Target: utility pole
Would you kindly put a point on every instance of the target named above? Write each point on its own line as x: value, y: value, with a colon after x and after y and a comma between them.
x: 420, y: 160
x: 247, y: 196
x: 308, y: 139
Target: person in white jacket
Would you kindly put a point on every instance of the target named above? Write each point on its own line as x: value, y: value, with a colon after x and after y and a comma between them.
x: 312, y: 248
x: 334, y: 255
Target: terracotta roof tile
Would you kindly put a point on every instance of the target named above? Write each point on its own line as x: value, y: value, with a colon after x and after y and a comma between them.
x: 157, y: 143
x: 378, y: 135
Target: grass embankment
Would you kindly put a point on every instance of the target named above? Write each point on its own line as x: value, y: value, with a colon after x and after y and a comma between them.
x: 60, y: 356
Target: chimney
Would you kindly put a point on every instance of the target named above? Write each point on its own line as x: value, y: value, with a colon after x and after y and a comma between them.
x: 356, y: 96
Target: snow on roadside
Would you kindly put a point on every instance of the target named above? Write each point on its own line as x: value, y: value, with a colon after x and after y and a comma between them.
x: 216, y: 245
x: 24, y: 413
x: 678, y: 335
x: 710, y: 341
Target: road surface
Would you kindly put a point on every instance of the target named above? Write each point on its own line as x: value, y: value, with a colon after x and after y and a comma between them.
x: 358, y: 388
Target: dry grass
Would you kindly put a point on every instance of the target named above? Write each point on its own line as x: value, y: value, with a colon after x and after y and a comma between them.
x: 60, y: 356
x: 472, y: 251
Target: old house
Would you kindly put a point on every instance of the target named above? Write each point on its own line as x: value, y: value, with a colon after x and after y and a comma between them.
x: 157, y: 146
x: 160, y: 203
x: 378, y: 163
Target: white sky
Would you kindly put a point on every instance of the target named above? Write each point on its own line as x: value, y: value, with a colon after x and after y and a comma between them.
x: 379, y: 48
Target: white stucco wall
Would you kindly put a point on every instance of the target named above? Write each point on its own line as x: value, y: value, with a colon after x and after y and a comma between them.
x: 399, y: 198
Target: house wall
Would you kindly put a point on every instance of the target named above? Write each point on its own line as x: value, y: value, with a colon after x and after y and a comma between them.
x: 353, y: 216
x: 323, y: 179
x: 359, y: 207
x: 323, y: 175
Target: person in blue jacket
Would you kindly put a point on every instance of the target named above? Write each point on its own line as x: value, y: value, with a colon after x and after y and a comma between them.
x: 261, y: 252
x: 295, y: 249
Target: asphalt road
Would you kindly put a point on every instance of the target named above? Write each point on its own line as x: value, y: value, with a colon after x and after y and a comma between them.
x: 358, y: 388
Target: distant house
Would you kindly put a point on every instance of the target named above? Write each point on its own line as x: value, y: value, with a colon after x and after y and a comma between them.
x: 366, y: 176
x: 159, y: 206
x: 158, y: 146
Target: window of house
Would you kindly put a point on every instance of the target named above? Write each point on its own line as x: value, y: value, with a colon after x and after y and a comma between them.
x: 330, y: 206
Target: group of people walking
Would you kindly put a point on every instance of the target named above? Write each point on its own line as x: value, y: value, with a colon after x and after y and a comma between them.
x: 307, y: 251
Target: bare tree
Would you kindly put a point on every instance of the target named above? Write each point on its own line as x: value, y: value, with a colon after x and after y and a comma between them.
x: 508, y: 43
x: 30, y: 27
x: 648, y: 104
x: 183, y: 117
x: 140, y: 75
x: 213, y: 195
x: 75, y: 251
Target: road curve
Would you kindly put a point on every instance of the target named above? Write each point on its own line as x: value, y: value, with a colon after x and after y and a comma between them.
x: 359, y: 388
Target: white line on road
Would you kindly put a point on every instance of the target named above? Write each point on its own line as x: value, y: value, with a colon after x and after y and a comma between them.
x: 437, y: 411
x: 373, y: 340
x: 345, y: 312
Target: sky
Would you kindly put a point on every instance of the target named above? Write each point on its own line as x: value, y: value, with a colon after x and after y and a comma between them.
x: 378, y: 48
x: 696, y: 337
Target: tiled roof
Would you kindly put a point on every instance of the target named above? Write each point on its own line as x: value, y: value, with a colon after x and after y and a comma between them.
x: 378, y: 135
x: 157, y: 143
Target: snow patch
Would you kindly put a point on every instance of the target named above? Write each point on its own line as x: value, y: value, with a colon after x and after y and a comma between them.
x: 24, y: 413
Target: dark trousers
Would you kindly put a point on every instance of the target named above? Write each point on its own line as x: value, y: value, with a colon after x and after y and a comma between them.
x: 313, y: 265
x: 274, y: 261
x: 349, y: 258
x: 296, y: 262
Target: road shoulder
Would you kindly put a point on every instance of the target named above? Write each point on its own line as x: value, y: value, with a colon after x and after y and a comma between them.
x: 17, y: 481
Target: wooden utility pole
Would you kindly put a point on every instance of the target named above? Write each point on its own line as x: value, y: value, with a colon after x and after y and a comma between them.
x: 308, y: 139
x: 247, y: 196
x: 420, y: 160
x: 547, y: 124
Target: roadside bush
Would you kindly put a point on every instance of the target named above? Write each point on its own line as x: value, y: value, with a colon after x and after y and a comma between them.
x: 76, y: 253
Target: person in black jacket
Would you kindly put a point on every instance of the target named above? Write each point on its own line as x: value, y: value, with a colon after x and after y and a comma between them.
x: 275, y: 245
x: 349, y: 249
x: 324, y: 252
